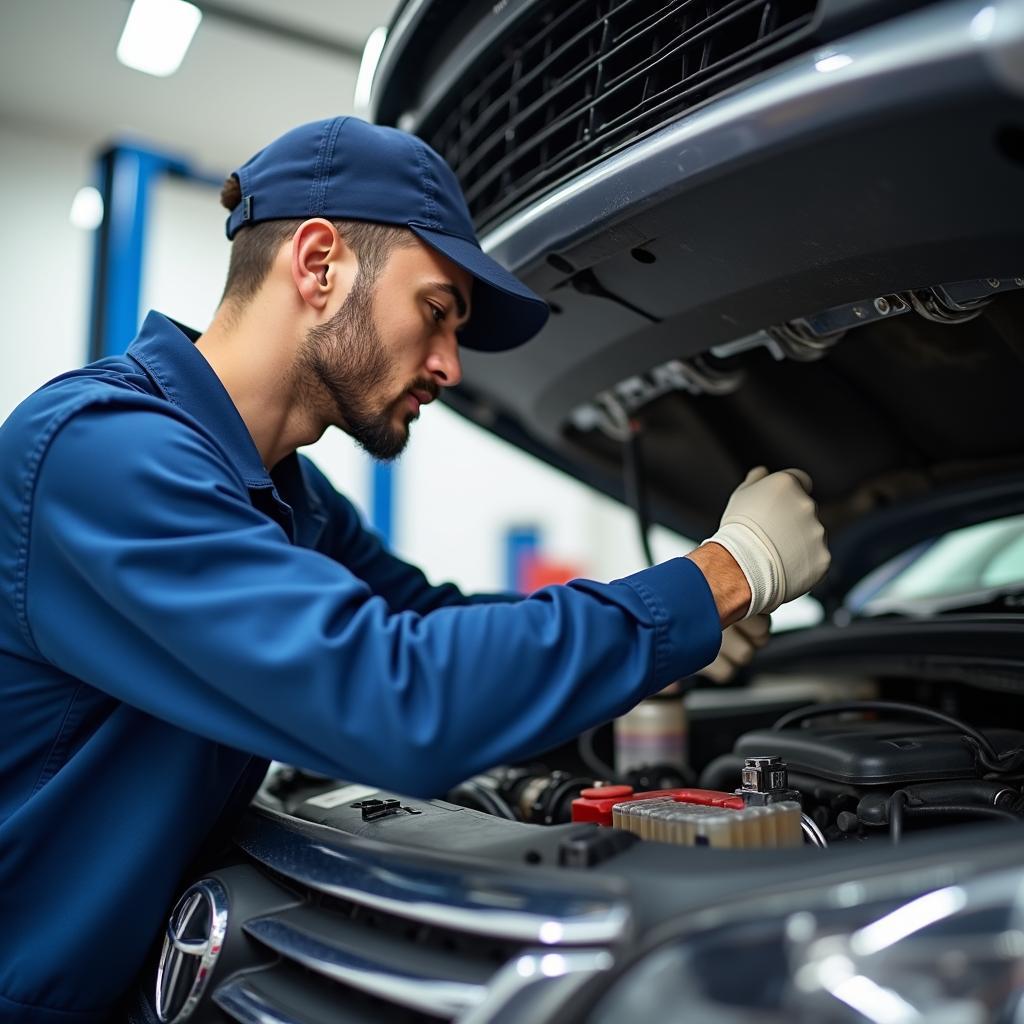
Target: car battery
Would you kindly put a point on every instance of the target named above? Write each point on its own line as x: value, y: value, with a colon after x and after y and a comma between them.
x: 595, y: 804
x: 693, y: 817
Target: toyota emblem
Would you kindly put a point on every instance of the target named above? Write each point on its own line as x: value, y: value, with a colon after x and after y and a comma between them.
x: 195, y: 934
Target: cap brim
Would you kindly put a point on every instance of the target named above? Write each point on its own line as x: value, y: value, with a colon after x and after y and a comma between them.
x: 504, y: 313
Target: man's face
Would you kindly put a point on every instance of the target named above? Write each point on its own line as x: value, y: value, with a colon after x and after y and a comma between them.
x: 389, y: 349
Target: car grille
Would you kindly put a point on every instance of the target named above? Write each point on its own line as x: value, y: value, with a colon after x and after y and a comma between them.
x: 572, y: 83
x: 376, y: 935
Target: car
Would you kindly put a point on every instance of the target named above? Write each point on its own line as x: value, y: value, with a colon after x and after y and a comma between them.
x: 779, y: 232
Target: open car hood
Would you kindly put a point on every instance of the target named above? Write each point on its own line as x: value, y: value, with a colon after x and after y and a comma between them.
x: 819, y: 267
x: 909, y: 429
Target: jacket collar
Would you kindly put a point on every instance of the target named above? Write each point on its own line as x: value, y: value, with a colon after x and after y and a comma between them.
x: 166, y: 350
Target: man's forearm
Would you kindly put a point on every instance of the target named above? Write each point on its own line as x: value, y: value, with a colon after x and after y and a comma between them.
x: 726, y: 580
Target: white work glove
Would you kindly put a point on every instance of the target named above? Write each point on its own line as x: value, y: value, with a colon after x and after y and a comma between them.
x: 740, y: 642
x: 771, y: 527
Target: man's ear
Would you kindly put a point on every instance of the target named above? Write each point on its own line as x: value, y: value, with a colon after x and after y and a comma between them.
x: 323, y: 265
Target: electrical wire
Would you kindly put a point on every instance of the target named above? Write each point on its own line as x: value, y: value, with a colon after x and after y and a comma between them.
x: 635, y: 487
x: 635, y: 484
x: 811, y: 831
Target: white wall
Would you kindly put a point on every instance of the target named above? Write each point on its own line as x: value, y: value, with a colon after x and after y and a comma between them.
x: 460, y: 489
x: 45, y: 263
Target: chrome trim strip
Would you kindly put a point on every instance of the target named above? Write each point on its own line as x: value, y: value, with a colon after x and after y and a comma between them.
x: 507, y: 1000
x: 441, y: 997
x: 908, y: 57
x: 569, y: 970
x: 406, y: 22
x: 447, y: 892
x: 240, y: 1000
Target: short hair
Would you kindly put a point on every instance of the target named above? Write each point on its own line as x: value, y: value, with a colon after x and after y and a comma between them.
x: 255, y: 246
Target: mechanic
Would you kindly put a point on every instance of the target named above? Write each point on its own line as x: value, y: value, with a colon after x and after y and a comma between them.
x: 184, y: 597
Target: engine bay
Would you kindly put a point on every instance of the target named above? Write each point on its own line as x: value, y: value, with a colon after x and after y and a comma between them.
x: 825, y: 774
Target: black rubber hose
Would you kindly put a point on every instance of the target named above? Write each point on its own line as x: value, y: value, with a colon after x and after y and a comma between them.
x: 895, y: 707
x: 899, y: 810
x: 962, y: 811
x: 897, y: 805
x: 1006, y: 764
x: 479, y: 798
x: 722, y: 773
x: 585, y: 747
x: 971, y: 792
x: 558, y: 800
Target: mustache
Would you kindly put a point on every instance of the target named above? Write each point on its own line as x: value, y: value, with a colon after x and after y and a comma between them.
x: 425, y: 384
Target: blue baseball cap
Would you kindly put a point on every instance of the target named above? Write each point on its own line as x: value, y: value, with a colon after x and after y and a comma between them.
x: 346, y: 169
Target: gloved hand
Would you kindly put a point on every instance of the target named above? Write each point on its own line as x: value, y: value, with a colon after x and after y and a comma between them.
x: 771, y: 527
x: 740, y: 642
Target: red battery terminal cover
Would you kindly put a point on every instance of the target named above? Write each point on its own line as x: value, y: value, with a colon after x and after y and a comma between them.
x: 595, y: 805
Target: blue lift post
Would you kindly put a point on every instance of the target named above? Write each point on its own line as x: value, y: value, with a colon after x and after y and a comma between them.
x: 125, y: 177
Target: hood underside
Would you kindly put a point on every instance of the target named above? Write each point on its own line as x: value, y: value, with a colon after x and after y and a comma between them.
x: 908, y: 429
x: 894, y: 411
x: 813, y: 271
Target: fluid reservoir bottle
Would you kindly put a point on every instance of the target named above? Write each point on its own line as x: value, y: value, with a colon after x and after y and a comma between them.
x: 654, y: 732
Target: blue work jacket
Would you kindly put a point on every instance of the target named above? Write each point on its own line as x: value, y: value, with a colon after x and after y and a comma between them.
x: 172, y: 616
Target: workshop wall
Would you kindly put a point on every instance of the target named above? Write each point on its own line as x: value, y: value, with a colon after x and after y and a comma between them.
x: 460, y: 490
x: 45, y: 262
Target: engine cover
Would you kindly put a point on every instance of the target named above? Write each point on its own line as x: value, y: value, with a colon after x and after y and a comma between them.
x: 874, y: 753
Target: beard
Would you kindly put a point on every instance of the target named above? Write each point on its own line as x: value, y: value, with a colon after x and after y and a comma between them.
x: 344, y: 365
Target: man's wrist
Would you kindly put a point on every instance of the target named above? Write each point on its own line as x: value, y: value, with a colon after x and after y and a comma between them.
x: 728, y: 584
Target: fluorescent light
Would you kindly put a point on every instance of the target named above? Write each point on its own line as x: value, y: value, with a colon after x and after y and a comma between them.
x: 367, y: 69
x: 87, y: 208
x: 157, y: 35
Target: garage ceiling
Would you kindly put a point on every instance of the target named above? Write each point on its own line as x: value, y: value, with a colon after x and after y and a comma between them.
x: 240, y: 84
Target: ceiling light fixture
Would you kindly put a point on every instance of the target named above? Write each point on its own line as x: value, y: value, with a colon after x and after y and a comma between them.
x: 87, y: 208
x: 157, y: 35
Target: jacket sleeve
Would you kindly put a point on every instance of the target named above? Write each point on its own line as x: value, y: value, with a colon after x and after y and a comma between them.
x: 403, y: 586
x: 152, y: 578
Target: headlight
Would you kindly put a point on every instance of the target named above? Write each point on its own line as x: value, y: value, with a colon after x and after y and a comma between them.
x: 950, y: 954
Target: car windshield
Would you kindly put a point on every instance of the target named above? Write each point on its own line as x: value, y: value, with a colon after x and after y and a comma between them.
x: 967, y: 563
